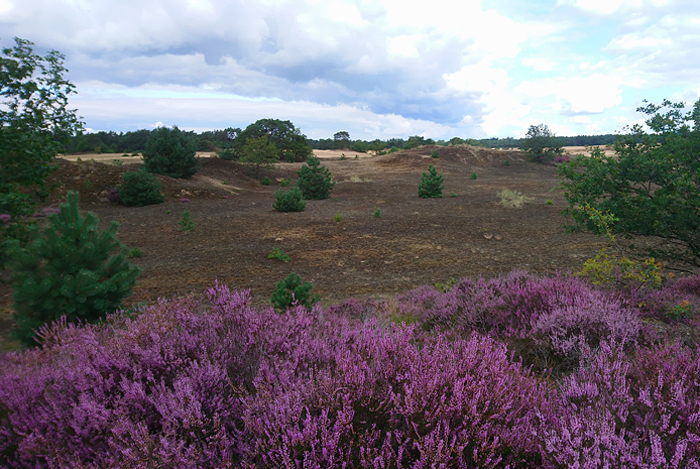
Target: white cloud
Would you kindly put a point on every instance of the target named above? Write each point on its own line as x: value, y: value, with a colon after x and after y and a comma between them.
x: 579, y: 95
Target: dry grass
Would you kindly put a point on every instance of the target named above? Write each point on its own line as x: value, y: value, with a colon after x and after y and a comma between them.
x: 512, y: 199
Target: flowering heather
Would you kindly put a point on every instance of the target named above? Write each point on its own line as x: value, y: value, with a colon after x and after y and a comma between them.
x: 5, y: 218
x: 218, y: 383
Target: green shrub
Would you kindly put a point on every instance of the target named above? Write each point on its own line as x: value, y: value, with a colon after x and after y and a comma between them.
x: 473, y: 176
x: 186, y: 223
x: 315, y: 181
x: 291, y: 201
x: 548, y: 202
x: 293, y: 291
x: 118, y: 162
x: 259, y: 153
x: 393, y: 150
x: 71, y: 269
x: 338, y: 218
x: 377, y: 212
x: 435, y: 154
x: 139, y: 188
x: 278, y: 254
x: 265, y: 181
x: 135, y: 252
x: 431, y: 183
x: 506, y: 163
x: 172, y: 153
x: 285, y: 182
x: 227, y: 154
x: 343, y: 157
x: 452, y: 194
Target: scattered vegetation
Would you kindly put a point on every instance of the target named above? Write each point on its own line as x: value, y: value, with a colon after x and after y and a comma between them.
x: 265, y: 181
x: 431, y: 183
x: 377, y: 212
x: 506, y: 163
x: 293, y: 291
x: 435, y: 154
x: 139, y: 188
x: 278, y: 254
x: 512, y: 199
x: 289, y: 201
x: 338, y: 218
x: 135, y: 252
x: 285, y: 182
x: 69, y: 269
x: 540, y: 144
x: 186, y: 223
x: 472, y: 176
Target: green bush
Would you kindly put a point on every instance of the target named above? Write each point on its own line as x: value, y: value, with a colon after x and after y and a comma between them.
x: 377, y: 212
x: 435, y: 154
x: 172, y: 153
x: 506, y: 163
x: 315, y: 181
x: 227, y: 154
x: 186, y: 223
x: 285, y: 182
x: 291, y: 201
x: 472, y: 176
x: 71, y: 269
x: 139, y: 188
x: 293, y: 291
x: 540, y: 144
x: 265, y: 181
x: 431, y: 183
x: 279, y: 254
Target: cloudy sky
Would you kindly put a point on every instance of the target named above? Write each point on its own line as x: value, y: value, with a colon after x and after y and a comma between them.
x: 376, y: 68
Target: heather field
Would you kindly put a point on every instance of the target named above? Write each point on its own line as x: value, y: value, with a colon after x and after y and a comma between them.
x: 452, y: 333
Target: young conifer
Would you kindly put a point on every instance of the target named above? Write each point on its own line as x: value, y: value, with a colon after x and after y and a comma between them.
x: 70, y: 269
x: 315, y: 181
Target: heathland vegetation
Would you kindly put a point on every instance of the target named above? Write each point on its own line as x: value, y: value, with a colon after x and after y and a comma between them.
x: 594, y: 367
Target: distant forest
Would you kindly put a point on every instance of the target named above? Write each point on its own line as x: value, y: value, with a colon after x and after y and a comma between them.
x: 135, y: 141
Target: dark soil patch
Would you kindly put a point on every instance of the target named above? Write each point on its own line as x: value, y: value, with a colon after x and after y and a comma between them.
x: 414, y: 242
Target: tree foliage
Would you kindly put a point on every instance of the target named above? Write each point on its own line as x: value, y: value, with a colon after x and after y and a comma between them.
x: 34, y: 123
x: 540, y: 144
x: 291, y: 144
x: 431, y: 183
x: 651, y: 185
x: 289, y: 201
x: 139, y: 188
x: 71, y: 269
x: 171, y: 152
x: 315, y: 181
x: 259, y: 153
x: 341, y: 140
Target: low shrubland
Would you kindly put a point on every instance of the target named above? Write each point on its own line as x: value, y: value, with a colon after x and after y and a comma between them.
x: 433, y: 378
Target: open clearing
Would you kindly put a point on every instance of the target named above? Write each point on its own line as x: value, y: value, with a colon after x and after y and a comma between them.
x: 415, y: 241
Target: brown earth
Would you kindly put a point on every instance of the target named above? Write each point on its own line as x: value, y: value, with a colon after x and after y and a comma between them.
x: 415, y: 242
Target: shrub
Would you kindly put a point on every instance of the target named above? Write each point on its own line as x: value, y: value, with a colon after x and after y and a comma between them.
x: 186, y: 223
x: 291, y: 201
x: 285, y: 182
x: 278, y: 254
x: 435, y: 154
x: 71, y: 269
x: 377, y: 212
x: 138, y: 189
x: 135, y: 252
x: 506, y: 163
x: 512, y: 199
x: 472, y: 176
x: 430, y: 183
x: 315, y: 181
x: 293, y: 291
x: 338, y: 218
x: 227, y: 154
x: 540, y: 144
x: 171, y: 152
x: 265, y: 181
x: 259, y: 153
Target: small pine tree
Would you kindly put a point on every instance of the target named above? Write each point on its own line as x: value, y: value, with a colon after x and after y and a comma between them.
x: 186, y: 223
x: 431, y: 183
x: 172, y: 153
x: 259, y: 153
x: 291, y: 201
x: 315, y: 181
x: 293, y: 291
x: 71, y: 269
x: 139, y: 188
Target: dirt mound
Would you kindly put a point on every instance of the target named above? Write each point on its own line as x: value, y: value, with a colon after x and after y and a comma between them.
x: 466, y: 154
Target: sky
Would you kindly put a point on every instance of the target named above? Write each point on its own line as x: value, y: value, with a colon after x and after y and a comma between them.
x: 377, y: 69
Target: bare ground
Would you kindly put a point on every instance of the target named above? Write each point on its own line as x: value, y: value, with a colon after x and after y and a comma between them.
x: 415, y: 241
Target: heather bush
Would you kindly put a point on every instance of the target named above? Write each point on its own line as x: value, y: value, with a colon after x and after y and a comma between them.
x: 70, y: 269
x: 315, y: 181
x: 289, y: 201
x: 217, y: 383
x: 138, y: 189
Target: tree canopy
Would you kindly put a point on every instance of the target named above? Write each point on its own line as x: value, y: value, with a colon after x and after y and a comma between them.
x: 35, y: 122
x: 291, y: 144
x: 651, y: 186
x: 540, y: 145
